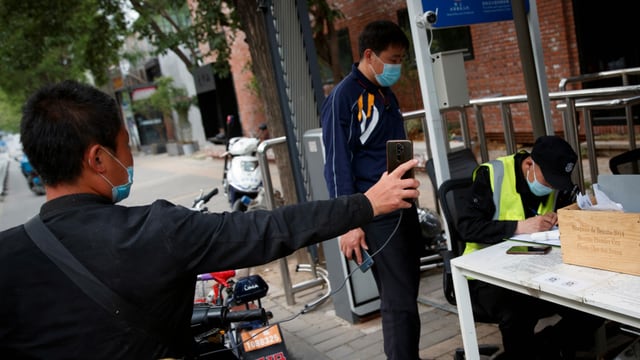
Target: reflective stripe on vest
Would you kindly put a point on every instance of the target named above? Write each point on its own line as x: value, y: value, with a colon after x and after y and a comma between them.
x: 507, y: 200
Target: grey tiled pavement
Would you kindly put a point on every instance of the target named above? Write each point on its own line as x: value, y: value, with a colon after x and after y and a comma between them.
x: 321, y: 335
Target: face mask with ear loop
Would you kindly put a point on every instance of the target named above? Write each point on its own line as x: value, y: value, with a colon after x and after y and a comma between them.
x: 120, y: 192
x: 390, y: 73
x: 536, y: 187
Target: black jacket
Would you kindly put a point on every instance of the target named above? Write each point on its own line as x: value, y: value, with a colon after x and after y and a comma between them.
x: 150, y: 256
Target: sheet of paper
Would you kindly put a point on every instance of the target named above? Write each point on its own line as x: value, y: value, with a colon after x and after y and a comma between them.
x: 551, y: 237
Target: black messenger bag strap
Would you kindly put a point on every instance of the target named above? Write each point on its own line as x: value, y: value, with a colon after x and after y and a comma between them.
x: 84, y: 279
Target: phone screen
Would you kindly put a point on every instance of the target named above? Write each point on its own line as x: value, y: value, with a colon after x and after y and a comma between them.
x: 531, y: 250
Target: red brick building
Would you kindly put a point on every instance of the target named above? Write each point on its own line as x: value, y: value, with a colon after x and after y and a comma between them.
x: 578, y: 37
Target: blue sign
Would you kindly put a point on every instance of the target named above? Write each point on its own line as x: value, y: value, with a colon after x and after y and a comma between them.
x: 466, y: 12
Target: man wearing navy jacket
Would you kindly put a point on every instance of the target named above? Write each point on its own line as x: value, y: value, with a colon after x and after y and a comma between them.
x: 358, y: 118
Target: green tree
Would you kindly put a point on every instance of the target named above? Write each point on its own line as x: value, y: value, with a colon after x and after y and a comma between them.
x: 170, y: 25
x: 48, y: 41
x: 166, y: 99
x: 323, y: 17
x: 43, y: 41
x: 9, y: 114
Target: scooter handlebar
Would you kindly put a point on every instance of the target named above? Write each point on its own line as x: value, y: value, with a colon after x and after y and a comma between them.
x: 207, y: 317
x: 247, y: 315
x: 211, y: 194
x: 198, y: 203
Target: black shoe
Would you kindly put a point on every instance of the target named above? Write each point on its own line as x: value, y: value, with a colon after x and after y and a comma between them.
x: 219, y: 139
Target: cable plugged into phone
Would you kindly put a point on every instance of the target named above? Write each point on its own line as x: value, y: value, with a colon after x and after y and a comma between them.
x: 367, y: 261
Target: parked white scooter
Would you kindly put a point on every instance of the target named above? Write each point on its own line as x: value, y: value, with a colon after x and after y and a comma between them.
x: 242, y: 178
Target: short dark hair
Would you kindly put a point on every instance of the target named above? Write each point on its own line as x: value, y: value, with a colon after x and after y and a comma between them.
x: 60, y: 121
x: 378, y: 35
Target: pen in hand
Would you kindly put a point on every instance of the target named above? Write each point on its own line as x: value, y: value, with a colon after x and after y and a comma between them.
x: 537, y: 223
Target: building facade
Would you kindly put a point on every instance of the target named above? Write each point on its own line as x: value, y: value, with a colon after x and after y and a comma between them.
x: 577, y: 37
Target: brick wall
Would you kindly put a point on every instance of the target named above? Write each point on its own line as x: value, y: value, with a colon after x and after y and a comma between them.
x: 250, y: 107
x: 495, y: 70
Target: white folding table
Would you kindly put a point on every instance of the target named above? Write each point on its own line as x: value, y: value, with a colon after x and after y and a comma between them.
x: 607, y: 294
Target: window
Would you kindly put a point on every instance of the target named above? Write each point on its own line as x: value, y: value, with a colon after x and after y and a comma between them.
x: 447, y: 39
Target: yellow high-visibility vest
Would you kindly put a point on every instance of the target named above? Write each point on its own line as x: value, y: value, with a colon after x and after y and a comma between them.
x: 505, y: 197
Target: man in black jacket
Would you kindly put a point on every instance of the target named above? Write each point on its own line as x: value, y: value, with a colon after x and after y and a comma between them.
x: 149, y: 255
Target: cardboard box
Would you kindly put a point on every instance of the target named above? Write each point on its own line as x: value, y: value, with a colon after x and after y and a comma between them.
x: 606, y: 240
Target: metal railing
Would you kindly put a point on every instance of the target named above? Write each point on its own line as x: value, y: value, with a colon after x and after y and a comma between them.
x: 623, y: 74
x: 321, y: 276
x: 587, y: 107
x: 616, y: 95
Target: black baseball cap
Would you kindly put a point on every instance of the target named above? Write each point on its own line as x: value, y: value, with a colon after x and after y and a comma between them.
x: 556, y: 160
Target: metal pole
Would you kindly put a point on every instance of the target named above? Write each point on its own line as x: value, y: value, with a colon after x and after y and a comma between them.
x: 433, y: 119
x: 265, y: 7
x: 538, y: 56
x: 528, y: 68
x: 482, y: 139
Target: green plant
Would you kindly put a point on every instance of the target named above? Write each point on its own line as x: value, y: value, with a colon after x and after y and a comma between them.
x: 166, y: 99
x: 414, y: 129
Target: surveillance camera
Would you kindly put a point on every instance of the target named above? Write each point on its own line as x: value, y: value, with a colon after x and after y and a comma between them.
x: 427, y: 19
x: 431, y: 17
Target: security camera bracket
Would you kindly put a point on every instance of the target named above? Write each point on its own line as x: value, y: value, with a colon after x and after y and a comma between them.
x: 427, y: 20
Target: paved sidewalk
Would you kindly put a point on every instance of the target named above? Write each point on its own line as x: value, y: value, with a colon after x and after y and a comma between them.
x: 320, y: 334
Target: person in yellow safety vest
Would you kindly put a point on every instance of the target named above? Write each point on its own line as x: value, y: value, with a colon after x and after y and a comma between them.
x: 518, y: 194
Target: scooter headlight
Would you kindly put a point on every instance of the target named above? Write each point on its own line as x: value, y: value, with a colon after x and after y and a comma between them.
x: 249, y: 165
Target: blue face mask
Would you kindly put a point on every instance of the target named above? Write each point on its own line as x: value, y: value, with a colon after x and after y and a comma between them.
x: 536, y: 187
x: 120, y: 192
x: 390, y: 73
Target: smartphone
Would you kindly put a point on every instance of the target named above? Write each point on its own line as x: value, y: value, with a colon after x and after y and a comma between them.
x: 398, y: 152
x: 367, y: 261
x: 530, y: 250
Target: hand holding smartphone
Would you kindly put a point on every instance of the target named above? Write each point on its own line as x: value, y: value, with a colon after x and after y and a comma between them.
x: 399, y: 152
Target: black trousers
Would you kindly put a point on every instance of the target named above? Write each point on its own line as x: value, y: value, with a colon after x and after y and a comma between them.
x: 396, y: 271
x: 517, y: 315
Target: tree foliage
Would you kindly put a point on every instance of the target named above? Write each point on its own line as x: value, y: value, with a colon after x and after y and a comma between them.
x: 45, y: 41
x: 168, y: 98
x: 48, y: 41
x: 323, y: 17
x: 171, y: 25
x: 9, y: 114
